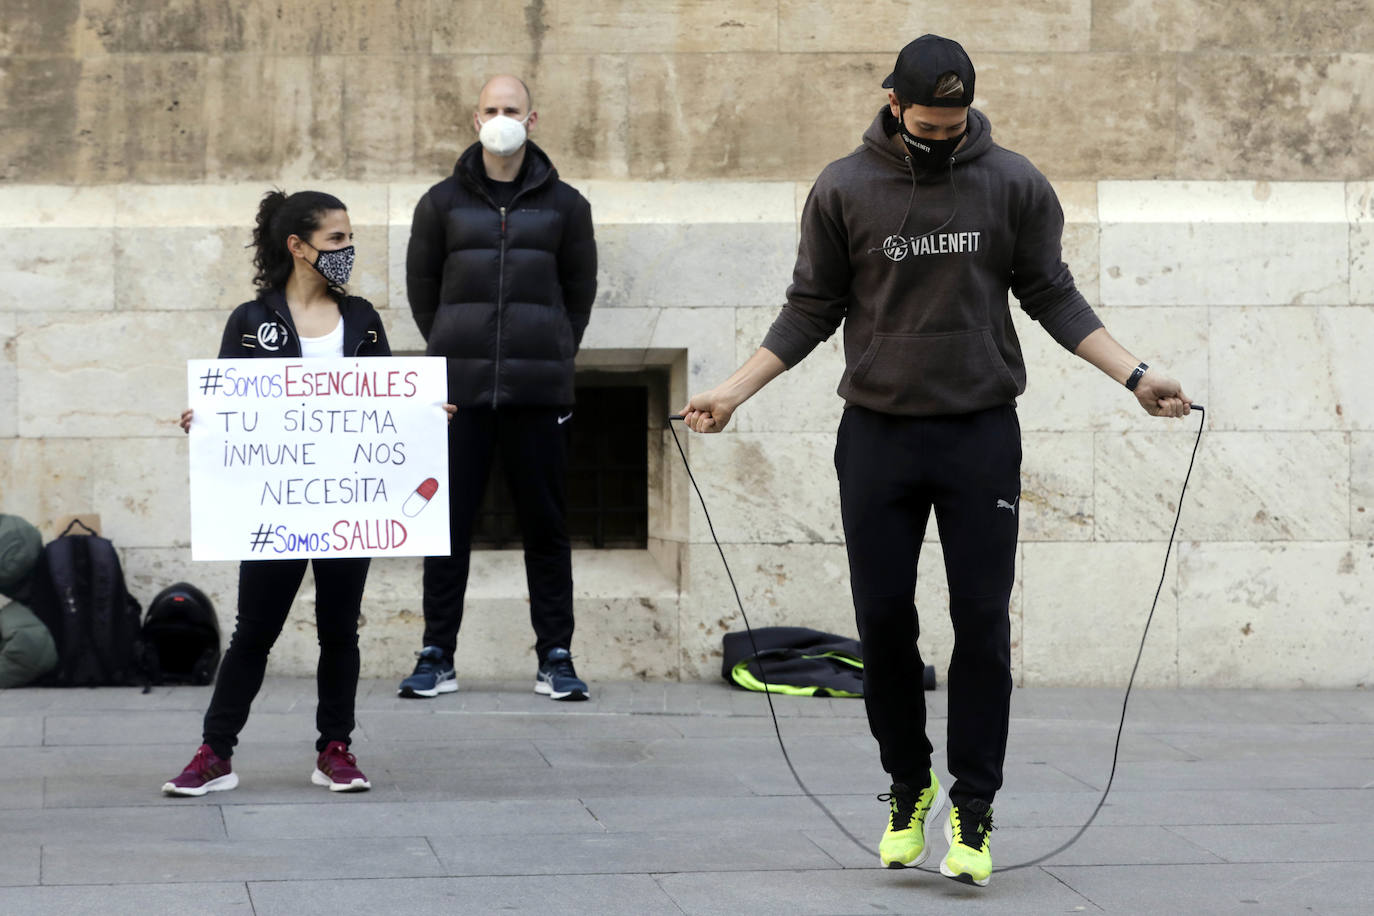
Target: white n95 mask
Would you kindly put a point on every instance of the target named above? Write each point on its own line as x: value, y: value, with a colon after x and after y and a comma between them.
x: 502, y: 136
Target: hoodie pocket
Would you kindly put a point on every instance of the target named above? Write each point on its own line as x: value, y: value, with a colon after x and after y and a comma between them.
x: 927, y: 374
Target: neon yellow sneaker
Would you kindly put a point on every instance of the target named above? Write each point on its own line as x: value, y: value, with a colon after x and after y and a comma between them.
x: 969, y: 860
x: 904, y: 841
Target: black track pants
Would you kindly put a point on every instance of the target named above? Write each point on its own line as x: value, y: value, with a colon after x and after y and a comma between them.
x: 266, y: 590
x: 533, y: 450
x: 893, y: 471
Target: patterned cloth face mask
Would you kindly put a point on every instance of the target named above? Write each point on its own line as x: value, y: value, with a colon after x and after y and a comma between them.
x: 335, y: 266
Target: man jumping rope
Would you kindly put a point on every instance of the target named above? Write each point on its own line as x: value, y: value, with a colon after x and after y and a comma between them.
x: 912, y: 242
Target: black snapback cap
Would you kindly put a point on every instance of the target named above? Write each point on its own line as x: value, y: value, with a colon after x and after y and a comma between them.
x: 921, y: 64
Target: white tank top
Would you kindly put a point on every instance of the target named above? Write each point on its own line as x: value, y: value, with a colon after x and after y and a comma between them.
x: 330, y: 344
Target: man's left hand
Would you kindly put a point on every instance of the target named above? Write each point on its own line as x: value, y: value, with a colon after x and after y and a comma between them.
x: 1162, y: 396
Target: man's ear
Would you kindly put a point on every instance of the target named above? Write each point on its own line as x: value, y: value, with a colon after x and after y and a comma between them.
x: 892, y: 104
x: 534, y: 119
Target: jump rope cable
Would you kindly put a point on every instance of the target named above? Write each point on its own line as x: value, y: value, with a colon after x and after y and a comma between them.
x: 1130, y: 683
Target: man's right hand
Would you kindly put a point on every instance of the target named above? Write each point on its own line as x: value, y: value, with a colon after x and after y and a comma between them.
x: 707, y: 412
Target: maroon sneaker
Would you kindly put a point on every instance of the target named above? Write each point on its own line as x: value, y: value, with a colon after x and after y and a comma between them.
x: 205, y: 773
x: 338, y: 769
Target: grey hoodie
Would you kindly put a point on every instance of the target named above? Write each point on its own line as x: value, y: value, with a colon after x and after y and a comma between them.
x: 927, y: 326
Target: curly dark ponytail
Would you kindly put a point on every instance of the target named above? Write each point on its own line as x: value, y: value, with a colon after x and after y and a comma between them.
x: 280, y: 217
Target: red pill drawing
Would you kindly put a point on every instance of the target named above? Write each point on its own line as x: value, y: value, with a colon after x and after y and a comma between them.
x: 416, y: 501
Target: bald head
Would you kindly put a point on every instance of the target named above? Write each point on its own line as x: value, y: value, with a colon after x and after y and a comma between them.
x: 502, y: 93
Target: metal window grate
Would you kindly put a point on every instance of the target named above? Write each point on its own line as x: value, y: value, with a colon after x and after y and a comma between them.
x: 608, y: 486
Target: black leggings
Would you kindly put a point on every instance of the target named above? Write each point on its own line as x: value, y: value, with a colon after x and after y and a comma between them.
x: 266, y: 590
x: 892, y: 472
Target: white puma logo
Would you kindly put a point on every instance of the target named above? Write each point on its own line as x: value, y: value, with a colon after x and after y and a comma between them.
x: 1003, y: 504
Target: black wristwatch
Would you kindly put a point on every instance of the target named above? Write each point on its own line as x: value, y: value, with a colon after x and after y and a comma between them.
x: 1136, y: 374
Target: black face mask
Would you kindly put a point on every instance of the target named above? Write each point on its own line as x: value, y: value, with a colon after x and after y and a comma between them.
x: 928, y: 154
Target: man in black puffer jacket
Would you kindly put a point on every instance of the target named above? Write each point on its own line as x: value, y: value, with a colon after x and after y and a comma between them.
x: 501, y: 275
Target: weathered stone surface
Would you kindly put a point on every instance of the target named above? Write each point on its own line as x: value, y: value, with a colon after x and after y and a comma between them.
x: 1362, y: 486
x: 1265, y: 26
x: 1249, y: 612
x: 1324, y: 356
x: 1084, y: 607
x: 56, y: 270
x: 1121, y: 122
x: 38, y: 117
x: 380, y: 115
x: 305, y: 27
x: 140, y: 508
x: 741, y: 115
x: 581, y: 100
x: 1359, y: 204
x: 1276, y: 117
x: 126, y: 377
x: 1000, y: 25
x: 1056, y: 486
x: 712, y: 264
x: 1250, y: 486
x: 803, y: 399
x: 767, y: 487
x: 38, y: 27
x: 45, y: 479
x: 1230, y: 243
x: 675, y: 26
x: 295, y: 106
x: 9, y: 377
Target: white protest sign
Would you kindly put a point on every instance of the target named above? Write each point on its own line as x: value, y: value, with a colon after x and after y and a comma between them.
x: 318, y: 458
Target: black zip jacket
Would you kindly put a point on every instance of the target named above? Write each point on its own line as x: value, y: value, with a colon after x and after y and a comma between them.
x: 504, y: 293
x: 263, y: 328
x: 917, y: 266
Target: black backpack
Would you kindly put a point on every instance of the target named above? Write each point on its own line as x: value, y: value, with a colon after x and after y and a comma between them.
x: 79, y: 594
x: 181, y: 637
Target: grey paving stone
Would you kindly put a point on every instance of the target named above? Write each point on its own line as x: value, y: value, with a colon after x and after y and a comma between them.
x: 400, y: 819
x: 1341, y: 805
x: 705, y: 815
x: 600, y: 895
x: 1239, y: 742
x: 74, y: 825
x: 564, y: 782
x: 157, y: 727
x: 16, y: 731
x: 1272, y: 888
x: 629, y: 853
x: 1124, y: 807
x: 228, y: 899
x: 1291, y: 843
x: 868, y: 890
x: 753, y: 726
x: 1287, y: 772
x: 256, y: 787
x: 21, y: 791
x: 451, y: 752
x: 19, y: 862
x: 261, y: 860
x: 453, y: 726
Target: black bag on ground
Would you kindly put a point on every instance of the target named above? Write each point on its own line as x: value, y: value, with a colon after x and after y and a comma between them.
x: 181, y: 637
x: 79, y: 594
x: 795, y: 660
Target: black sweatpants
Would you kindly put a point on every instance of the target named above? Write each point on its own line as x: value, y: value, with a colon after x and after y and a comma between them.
x: 266, y: 590
x: 533, y: 449
x: 893, y: 470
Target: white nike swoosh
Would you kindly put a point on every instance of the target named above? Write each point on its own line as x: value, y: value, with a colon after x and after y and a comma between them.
x: 562, y: 420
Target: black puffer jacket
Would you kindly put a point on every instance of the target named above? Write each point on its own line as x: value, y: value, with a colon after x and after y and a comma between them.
x: 263, y: 327
x: 505, y: 294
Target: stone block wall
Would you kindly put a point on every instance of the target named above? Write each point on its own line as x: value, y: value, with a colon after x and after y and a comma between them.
x: 1208, y: 157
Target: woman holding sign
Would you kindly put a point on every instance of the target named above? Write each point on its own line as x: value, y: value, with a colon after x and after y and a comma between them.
x: 303, y: 255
